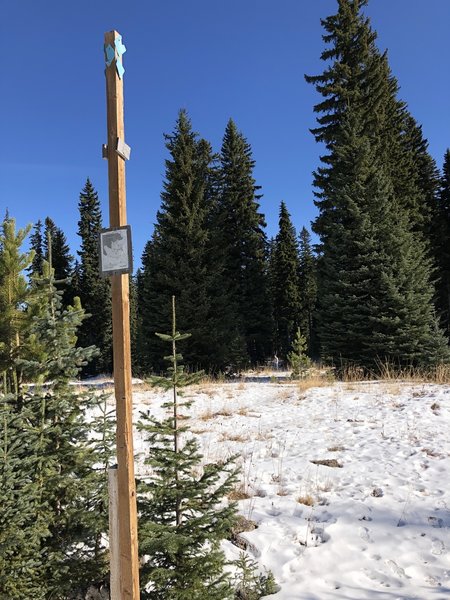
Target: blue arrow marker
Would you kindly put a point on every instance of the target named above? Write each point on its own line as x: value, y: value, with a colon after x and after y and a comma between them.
x: 110, y: 54
x: 120, y: 69
x: 119, y: 46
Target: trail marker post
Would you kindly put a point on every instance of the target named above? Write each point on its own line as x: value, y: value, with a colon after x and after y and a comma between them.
x: 116, y: 152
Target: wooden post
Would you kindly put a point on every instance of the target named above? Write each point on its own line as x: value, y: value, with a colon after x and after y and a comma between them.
x: 129, y: 562
x: 114, y: 552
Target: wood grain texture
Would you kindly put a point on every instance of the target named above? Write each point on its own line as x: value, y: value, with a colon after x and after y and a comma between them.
x: 127, y: 511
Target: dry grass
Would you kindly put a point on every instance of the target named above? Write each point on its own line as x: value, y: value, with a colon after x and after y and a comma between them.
x: 262, y: 436
x: 313, y: 381
x: 224, y: 412
x: 353, y: 374
x: 390, y: 372
x: 209, y: 414
x: 393, y: 388
x: 306, y: 499
x: 235, y: 437
x: 145, y: 386
x: 238, y: 493
x: 327, y: 486
x: 432, y: 453
x: 336, y: 448
x: 198, y: 430
x: 439, y: 374
x: 284, y: 395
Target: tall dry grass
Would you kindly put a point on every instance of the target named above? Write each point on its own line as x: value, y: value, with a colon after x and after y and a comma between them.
x: 391, y: 372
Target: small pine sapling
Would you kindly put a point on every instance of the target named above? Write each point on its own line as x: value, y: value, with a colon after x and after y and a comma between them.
x: 183, y: 516
x: 297, y: 357
x: 249, y: 583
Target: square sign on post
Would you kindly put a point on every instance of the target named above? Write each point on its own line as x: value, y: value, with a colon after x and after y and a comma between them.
x: 115, y: 251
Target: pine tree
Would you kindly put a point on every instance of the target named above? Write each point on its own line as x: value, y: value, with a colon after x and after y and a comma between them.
x: 48, y: 238
x: 297, y: 357
x: 285, y: 270
x: 249, y: 583
x: 57, y: 251
x: 228, y: 334
x: 177, y: 261
x: 61, y: 258
x: 14, y: 293
x: 70, y: 468
x: 442, y: 247
x: 181, y: 524
x: 376, y: 301
x: 24, y: 519
x: 93, y: 291
x: 423, y: 172
x: 144, y: 277
x: 22, y: 527
x: 54, y: 512
x: 375, y: 291
x: 134, y: 323
x: 240, y: 229
x: 36, y: 244
x: 308, y: 290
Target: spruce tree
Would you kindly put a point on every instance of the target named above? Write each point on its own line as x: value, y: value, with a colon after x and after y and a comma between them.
x: 37, y: 245
x: 286, y: 291
x: 240, y: 229
x: 61, y: 258
x: 181, y: 523
x: 57, y: 251
x: 376, y: 301
x: 24, y: 519
x: 134, y: 322
x: 297, y: 357
x: 442, y: 246
x: 70, y: 465
x: 93, y: 291
x: 423, y: 172
x: 54, y: 511
x: 144, y: 277
x: 48, y: 238
x: 375, y: 291
x: 177, y: 261
x: 308, y: 290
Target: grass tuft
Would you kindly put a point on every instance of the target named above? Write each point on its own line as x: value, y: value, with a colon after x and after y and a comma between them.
x: 306, y: 499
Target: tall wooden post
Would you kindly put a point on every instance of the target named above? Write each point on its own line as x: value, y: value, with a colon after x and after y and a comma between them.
x: 114, y: 551
x: 127, y: 512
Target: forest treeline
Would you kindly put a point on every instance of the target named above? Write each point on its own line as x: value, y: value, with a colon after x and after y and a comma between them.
x: 374, y: 289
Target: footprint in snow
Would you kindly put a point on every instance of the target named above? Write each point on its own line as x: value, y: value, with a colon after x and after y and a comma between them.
x: 364, y: 534
x: 436, y: 522
x: 396, y: 569
x: 376, y: 576
x: 437, y: 547
x: 274, y: 511
x: 314, y: 538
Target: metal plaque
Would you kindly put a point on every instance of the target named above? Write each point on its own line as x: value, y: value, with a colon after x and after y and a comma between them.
x: 115, y: 251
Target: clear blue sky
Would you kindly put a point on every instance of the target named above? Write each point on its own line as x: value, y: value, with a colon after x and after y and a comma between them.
x: 243, y: 59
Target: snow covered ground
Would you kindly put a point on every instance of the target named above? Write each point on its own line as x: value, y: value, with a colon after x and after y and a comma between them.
x: 373, y: 520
